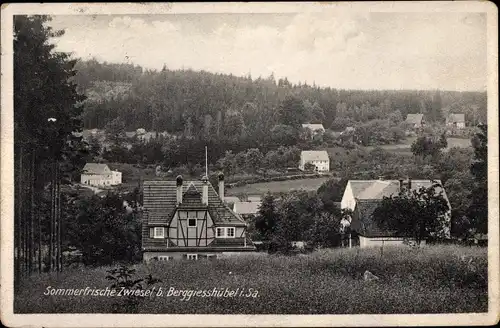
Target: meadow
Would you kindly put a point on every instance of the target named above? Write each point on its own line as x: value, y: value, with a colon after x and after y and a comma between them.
x: 262, y: 188
x: 405, y: 146
x: 430, y: 279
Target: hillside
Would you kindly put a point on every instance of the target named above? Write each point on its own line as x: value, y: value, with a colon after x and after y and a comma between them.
x: 203, y: 103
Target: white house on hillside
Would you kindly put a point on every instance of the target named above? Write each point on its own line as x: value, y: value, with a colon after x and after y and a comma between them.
x: 317, y: 157
x: 315, y: 128
x: 363, y: 197
x: 94, y: 174
x: 456, y: 120
x: 415, y: 120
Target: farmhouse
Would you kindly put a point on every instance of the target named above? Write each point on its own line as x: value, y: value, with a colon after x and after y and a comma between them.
x: 456, y: 121
x: 415, y: 120
x: 94, y: 174
x: 189, y: 220
x: 318, y: 158
x: 363, y: 196
x: 315, y: 128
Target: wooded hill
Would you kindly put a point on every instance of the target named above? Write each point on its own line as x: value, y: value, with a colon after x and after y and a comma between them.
x: 205, y: 104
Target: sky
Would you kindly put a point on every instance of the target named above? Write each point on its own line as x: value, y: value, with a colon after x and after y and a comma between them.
x: 385, y: 50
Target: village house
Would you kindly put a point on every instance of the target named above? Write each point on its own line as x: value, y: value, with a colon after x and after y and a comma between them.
x: 416, y: 121
x: 362, y: 197
x: 98, y: 175
x: 314, y: 129
x: 318, y: 158
x: 456, y: 121
x: 189, y: 220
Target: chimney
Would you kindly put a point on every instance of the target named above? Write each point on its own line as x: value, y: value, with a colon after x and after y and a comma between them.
x: 204, y: 195
x: 221, y: 186
x: 401, y: 184
x: 179, y: 189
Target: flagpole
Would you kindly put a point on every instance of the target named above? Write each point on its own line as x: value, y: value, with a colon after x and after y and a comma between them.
x: 206, y: 162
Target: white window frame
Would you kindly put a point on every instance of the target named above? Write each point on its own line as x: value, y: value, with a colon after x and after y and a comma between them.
x: 227, y: 232
x: 164, y: 258
x: 223, y: 235
x: 195, y: 223
x: 192, y: 256
x: 158, y: 235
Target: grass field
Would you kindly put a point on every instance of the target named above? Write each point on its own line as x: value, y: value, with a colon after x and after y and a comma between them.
x: 432, y: 279
x: 278, y: 186
x: 406, y: 145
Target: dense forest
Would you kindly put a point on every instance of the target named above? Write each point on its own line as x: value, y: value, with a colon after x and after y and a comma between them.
x: 210, y: 105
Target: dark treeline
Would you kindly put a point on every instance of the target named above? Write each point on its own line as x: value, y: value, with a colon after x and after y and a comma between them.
x: 211, y: 105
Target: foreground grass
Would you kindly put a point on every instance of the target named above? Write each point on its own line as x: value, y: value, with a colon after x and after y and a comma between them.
x: 440, y: 279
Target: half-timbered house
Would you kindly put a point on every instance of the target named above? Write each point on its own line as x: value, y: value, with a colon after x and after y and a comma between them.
x: 190, y: 220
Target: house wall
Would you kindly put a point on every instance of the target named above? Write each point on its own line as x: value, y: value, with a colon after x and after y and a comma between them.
x: 365, y: 242
x: 96, y: 179
x: 323, y: 166
x: 147, y: 256
x: 182, y: 235
x: 116, y: 177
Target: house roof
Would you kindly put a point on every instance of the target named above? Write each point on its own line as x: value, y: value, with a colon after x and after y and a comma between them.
x: 231, y: 199
x: 95, y: 168
x: 315, y: 155
x: 160, y: 201
x: 414, y: 118
x: 378, y: 189
x: 455, y: 118
x: 130, y: 134
x: 363, y: 223
x: 313, y: 126
x: 246, y: 207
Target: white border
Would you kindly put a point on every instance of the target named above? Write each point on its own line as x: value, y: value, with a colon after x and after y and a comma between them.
x: 137, y: 320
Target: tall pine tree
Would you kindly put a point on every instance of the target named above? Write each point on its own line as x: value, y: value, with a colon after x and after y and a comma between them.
x: 46, y: 111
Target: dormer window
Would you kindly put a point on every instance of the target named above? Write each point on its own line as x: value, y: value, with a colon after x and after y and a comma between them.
x: 225, y: 232
x: 191, y: 223
x: 159, y: 232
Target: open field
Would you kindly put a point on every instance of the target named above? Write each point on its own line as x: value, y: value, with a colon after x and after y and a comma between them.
x: 278, y: 186
x: 406, y: 145
x: 432, y: 279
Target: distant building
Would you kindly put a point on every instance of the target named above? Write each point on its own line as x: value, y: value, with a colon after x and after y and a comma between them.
x: 364, y: 196
x: 456, y: 120
x: 319, y: 158
x: 94, y: 174
x: 415, y: 120
x: 190, y: 221
x: 315, y: 128
x: 130, y: 134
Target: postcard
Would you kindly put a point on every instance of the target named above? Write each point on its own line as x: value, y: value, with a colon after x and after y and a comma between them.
x: 249, y: 164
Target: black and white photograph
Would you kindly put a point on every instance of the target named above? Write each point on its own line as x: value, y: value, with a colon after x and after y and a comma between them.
x: 227, y: 161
